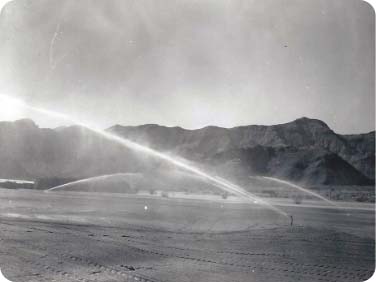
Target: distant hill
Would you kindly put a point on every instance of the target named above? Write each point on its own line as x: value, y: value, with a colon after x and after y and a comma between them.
x: 29, y: 152
x: 305, y: 151
x: 302, y: 150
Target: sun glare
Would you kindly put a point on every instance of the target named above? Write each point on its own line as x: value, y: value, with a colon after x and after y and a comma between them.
x: 10, y: 108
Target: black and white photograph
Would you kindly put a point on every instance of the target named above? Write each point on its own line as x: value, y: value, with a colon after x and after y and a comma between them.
x: 187, y: 141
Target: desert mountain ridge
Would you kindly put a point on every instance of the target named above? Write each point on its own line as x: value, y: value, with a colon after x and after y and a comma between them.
x: 304, y: 151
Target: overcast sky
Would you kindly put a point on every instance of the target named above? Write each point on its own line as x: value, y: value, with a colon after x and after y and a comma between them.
x: 191, y: 63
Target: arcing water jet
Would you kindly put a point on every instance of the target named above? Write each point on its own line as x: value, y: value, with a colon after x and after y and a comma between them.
x: 221, y: 183
x: 301, y: 189
x: 83, y: 181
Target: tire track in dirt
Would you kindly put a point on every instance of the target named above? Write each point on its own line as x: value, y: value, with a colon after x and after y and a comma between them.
x: 328, y: 273
x: 325, y: 272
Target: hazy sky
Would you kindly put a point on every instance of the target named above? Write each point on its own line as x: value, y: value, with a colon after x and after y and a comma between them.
x: 191, y: 63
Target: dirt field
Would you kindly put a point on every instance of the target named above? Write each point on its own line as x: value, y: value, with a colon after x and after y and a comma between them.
x: 67, y: 236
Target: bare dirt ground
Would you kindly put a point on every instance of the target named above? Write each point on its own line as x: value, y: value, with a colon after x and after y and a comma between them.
x: 67, y: 236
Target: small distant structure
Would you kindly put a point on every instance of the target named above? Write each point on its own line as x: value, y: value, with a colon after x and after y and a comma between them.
x: 297, y: 198
x: 152, y: 191
x: 16, y: 184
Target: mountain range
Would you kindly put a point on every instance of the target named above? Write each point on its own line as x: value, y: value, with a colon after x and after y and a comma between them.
x: 305, y: 151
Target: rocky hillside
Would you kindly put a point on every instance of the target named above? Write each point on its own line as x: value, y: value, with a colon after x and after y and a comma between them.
x: 288, y: 146
x: 305, y: 151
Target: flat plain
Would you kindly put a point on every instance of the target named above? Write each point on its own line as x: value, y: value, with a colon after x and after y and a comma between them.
x: 78, y: 236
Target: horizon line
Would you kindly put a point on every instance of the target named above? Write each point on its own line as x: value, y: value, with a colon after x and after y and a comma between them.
x: 193, y: 129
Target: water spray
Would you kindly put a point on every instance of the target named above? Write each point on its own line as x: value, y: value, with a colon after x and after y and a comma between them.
x: 301, y: 189
x: 220, y: 182
x: 83, y: 181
